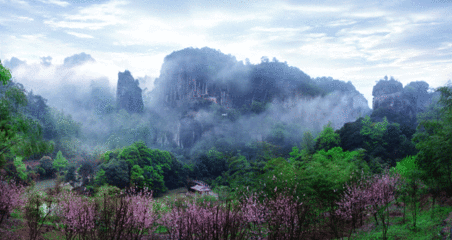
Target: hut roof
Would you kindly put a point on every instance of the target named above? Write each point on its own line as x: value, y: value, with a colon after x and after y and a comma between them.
x: 200, y: 188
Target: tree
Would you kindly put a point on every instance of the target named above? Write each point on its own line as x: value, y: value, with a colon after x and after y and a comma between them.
x: 117, y: 173
x: 373, y: 132
x: 308, y: 142
x: 100, y: 178
x: 59, y: 162
x: 258, y: 107
x: 324, y: 176
x: 136, y: 176
x: 5, y: 74
x: 278, y: 134
x: 37, y: 109
x: 405, y: 168
x: 45, y: 167
x: 376, y: 192
x: 20, y: 167
x: 86, y: 169
x: 10, y: 197
x: 19, y: 135
x: 327, y: 139
x: 380, y: 194
x: 353, y: 202
x: 70, y: 175
x: 351, y: 138
x: 434, y: 142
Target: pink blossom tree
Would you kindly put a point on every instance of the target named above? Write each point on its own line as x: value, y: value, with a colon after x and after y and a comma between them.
x: 33, y: 213
x: 191, y: 221
x: 141, y: 216
x: 78, y: 216
x: 10, y: 197
x: 376, y: 193
x: 380, y: 194
x: 287, y: 218
x: 125, y: 215
x: 353, y: 203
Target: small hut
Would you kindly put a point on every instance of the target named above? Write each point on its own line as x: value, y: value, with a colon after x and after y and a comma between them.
x: 202, y: 188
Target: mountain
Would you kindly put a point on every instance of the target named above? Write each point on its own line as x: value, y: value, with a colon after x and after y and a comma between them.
x: 192, y: 80
x: 400, y: 104
x: 128, y: 93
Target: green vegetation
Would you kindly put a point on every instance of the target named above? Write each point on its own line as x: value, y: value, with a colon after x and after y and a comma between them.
x: 60, y: 162
x: 19, y: 135
x: 316, y: 170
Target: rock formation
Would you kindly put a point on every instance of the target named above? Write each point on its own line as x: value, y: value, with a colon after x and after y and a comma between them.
x: 189, y: 76
x: 394, y: 101
x: 77, y: 59
x: 128, y: 93
x: 192, y: 79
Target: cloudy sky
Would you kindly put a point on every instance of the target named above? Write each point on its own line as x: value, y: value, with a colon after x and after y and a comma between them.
x: 358, y: 41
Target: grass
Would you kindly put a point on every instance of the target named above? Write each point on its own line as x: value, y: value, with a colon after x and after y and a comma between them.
x: 426, y: 227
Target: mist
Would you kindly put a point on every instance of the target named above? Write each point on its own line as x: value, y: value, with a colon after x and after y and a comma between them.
x: 282, y: 101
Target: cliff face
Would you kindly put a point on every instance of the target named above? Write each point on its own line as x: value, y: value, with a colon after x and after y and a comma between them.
x: 192, y: 79
x: 191, y: 76
x: 393, y: 100
x: 128, y: 93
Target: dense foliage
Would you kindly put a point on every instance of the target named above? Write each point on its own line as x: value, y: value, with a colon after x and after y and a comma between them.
x: 19, y: 135
x: 342, y: 172
x: 140, y: 167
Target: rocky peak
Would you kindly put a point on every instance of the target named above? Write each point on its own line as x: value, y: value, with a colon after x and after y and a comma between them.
x: 384, y: 87
x: 128, y: 93
x: 408, y: 102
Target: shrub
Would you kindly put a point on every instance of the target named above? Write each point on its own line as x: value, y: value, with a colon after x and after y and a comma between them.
x: 117, y: 173
x: 60, y: 162
x: 109, y: 190
x: 35, y: 214
x: 46, y: 163
x: 70, y: 175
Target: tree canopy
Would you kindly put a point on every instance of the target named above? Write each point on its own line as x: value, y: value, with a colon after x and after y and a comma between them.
x: 434, y: 142
x: 19, y: 135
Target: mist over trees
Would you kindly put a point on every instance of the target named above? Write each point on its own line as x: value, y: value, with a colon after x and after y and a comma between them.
x: 241, y: 128
x: 206, y: 101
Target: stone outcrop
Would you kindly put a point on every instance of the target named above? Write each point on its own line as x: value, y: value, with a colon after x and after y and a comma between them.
x: 192, y: 79
x: 194, y: 90
x: 128, y: 93
x: 394, y: 99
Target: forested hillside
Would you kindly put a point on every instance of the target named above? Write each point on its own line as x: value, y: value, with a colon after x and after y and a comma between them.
x: 243, y: 129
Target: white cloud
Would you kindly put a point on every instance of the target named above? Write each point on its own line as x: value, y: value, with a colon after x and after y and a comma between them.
x: 209, y: 19
x: 77, y: 25
x: 33, y: 37
x: 280, y: 29
x: 94, y: 17
x: 328, y: 50
x: 366, y: 14
x: 445, y: 45
x: 56, y: 2
x: 341, y: 22
x: 312, y: 8
x: 80, y: 35
x: 25, y: 18
x: 22, y: 2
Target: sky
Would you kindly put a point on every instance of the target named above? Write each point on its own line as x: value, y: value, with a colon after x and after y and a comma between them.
x: 359, y: 41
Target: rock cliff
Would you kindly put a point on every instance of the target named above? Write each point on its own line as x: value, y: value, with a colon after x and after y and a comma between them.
x: 193, y: 79
x: 128, y: 93
x: 400, y: 104
x: 190, y: 76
